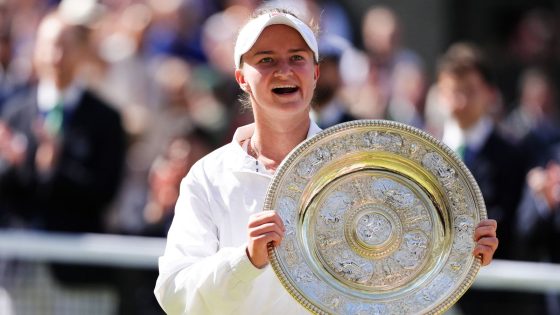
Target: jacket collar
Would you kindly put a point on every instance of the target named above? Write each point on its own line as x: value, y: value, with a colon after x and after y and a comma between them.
x: 240, y: 160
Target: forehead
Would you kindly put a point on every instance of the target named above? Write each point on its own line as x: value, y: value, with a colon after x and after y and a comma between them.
x: 50, y: 29
x: 467, y: 78
x: 55, y: 32
x: 280, y: 35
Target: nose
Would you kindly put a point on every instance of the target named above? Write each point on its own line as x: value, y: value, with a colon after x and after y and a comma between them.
x: 51, y: 55
x: 458, y: 100
x: 283, y: 69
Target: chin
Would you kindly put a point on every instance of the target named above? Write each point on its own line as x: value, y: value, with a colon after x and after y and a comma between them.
x: 295, y: 107
x: 292, y: 110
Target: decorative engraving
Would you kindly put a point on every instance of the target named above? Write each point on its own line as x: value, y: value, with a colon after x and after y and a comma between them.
x: 287, y: 210
x: 416, y: 151
x: 373, y: 228
x: 334, y: 302
x: 328, y: 240
x: 303, y: 274
x: 296, y: 185
x: 445, y: 173
x: 352, y: 142
x: 411, y: 254
x: 464, y: 229
x: 393, y: 193
x: 370, y: 250
x: 290, y: 252
x: 417, y: 217
x: 352, y: 268
x: 366, y: 309
x: 335, y: 207
x: 382, y: 141
x: 434, y: 291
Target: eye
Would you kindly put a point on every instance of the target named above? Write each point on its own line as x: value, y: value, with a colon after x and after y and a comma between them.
x: 297, y: 58
x: 266, y: 60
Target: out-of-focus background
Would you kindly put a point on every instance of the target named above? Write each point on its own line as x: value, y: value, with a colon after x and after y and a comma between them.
x: 106, y: 104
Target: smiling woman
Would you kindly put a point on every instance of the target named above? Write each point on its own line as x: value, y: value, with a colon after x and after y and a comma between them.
x: 216, y: 260
x: 278, y: 77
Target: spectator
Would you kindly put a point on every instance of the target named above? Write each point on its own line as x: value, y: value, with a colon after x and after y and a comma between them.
x: 165, y: 177
x: 176, y: 28
x: 408, y: 95
x: 329, y: 107
x: 534, y: 122
x: 381, y: 33
x: 218, y: 38
x: 182, y: 151
x: 466, y: 88
x: 538, y: 223
x: 62, y: 147
x: 533, y: 42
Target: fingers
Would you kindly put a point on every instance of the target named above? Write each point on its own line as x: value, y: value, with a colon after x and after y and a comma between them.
x: 266, y: 226
x: 486, y: 228
x: 263, y: 217
x: 263, y: 228
x: 268, y: 231
x: 486, y: 240
x: 491, y: 242
x: 261, y: 241
x: 488, y: 222
x: 485, y: 249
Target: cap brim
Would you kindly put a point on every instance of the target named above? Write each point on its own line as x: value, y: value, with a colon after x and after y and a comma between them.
x: 250, y: 33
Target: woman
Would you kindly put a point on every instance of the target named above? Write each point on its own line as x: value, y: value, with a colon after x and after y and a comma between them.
x: 216, y: 260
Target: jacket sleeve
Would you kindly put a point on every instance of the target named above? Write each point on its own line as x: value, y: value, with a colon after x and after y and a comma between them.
x: 534, y: 225
x: 196, y: 276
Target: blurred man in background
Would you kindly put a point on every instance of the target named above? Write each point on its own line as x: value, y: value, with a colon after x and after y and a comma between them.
x: 61, y: 147
x: 329, y: 107
x: 466, y: 90
x: 534, y: 121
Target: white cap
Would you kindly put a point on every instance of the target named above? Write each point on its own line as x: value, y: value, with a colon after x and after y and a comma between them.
x: 253, y: 29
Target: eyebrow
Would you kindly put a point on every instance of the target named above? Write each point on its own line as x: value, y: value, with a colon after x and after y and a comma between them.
x: 270, y: 52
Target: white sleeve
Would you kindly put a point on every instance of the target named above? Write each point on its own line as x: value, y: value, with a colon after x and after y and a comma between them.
x: 194, y: 276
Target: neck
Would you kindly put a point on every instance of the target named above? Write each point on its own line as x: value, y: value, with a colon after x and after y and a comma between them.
x: 273, y: 140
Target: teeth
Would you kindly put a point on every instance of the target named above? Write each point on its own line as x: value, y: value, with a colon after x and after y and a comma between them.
x: 285, y: 87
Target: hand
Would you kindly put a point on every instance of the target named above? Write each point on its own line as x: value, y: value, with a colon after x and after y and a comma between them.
x: 486, y: 240
x: 552, y: 185
x: 46, y: 156
x: 545, y: 182
x: 48, y: 148
x: 263, y: 228
x: 13, y: 146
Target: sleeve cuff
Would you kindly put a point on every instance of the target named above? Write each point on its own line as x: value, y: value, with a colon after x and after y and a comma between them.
x: 242, y: 267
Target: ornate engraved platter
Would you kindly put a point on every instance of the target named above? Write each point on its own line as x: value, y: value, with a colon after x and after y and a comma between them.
x: 379, y: 219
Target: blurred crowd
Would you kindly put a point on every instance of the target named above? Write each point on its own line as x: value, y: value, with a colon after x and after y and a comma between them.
x: 105, y: 105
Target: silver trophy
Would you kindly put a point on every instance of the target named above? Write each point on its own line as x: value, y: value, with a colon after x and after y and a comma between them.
x: 379, y: 219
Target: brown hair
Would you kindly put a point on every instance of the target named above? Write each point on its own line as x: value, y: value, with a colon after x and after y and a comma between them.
x: 462, y: 58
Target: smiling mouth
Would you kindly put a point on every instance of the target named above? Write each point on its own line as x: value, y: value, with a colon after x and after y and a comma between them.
x: 285, y: 90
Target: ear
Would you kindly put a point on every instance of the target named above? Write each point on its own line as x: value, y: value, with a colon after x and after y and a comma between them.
x: 316, y: 73
x: 240, y: 78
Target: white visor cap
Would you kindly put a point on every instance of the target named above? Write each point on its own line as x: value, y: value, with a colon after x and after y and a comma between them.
x: 253, y: 29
